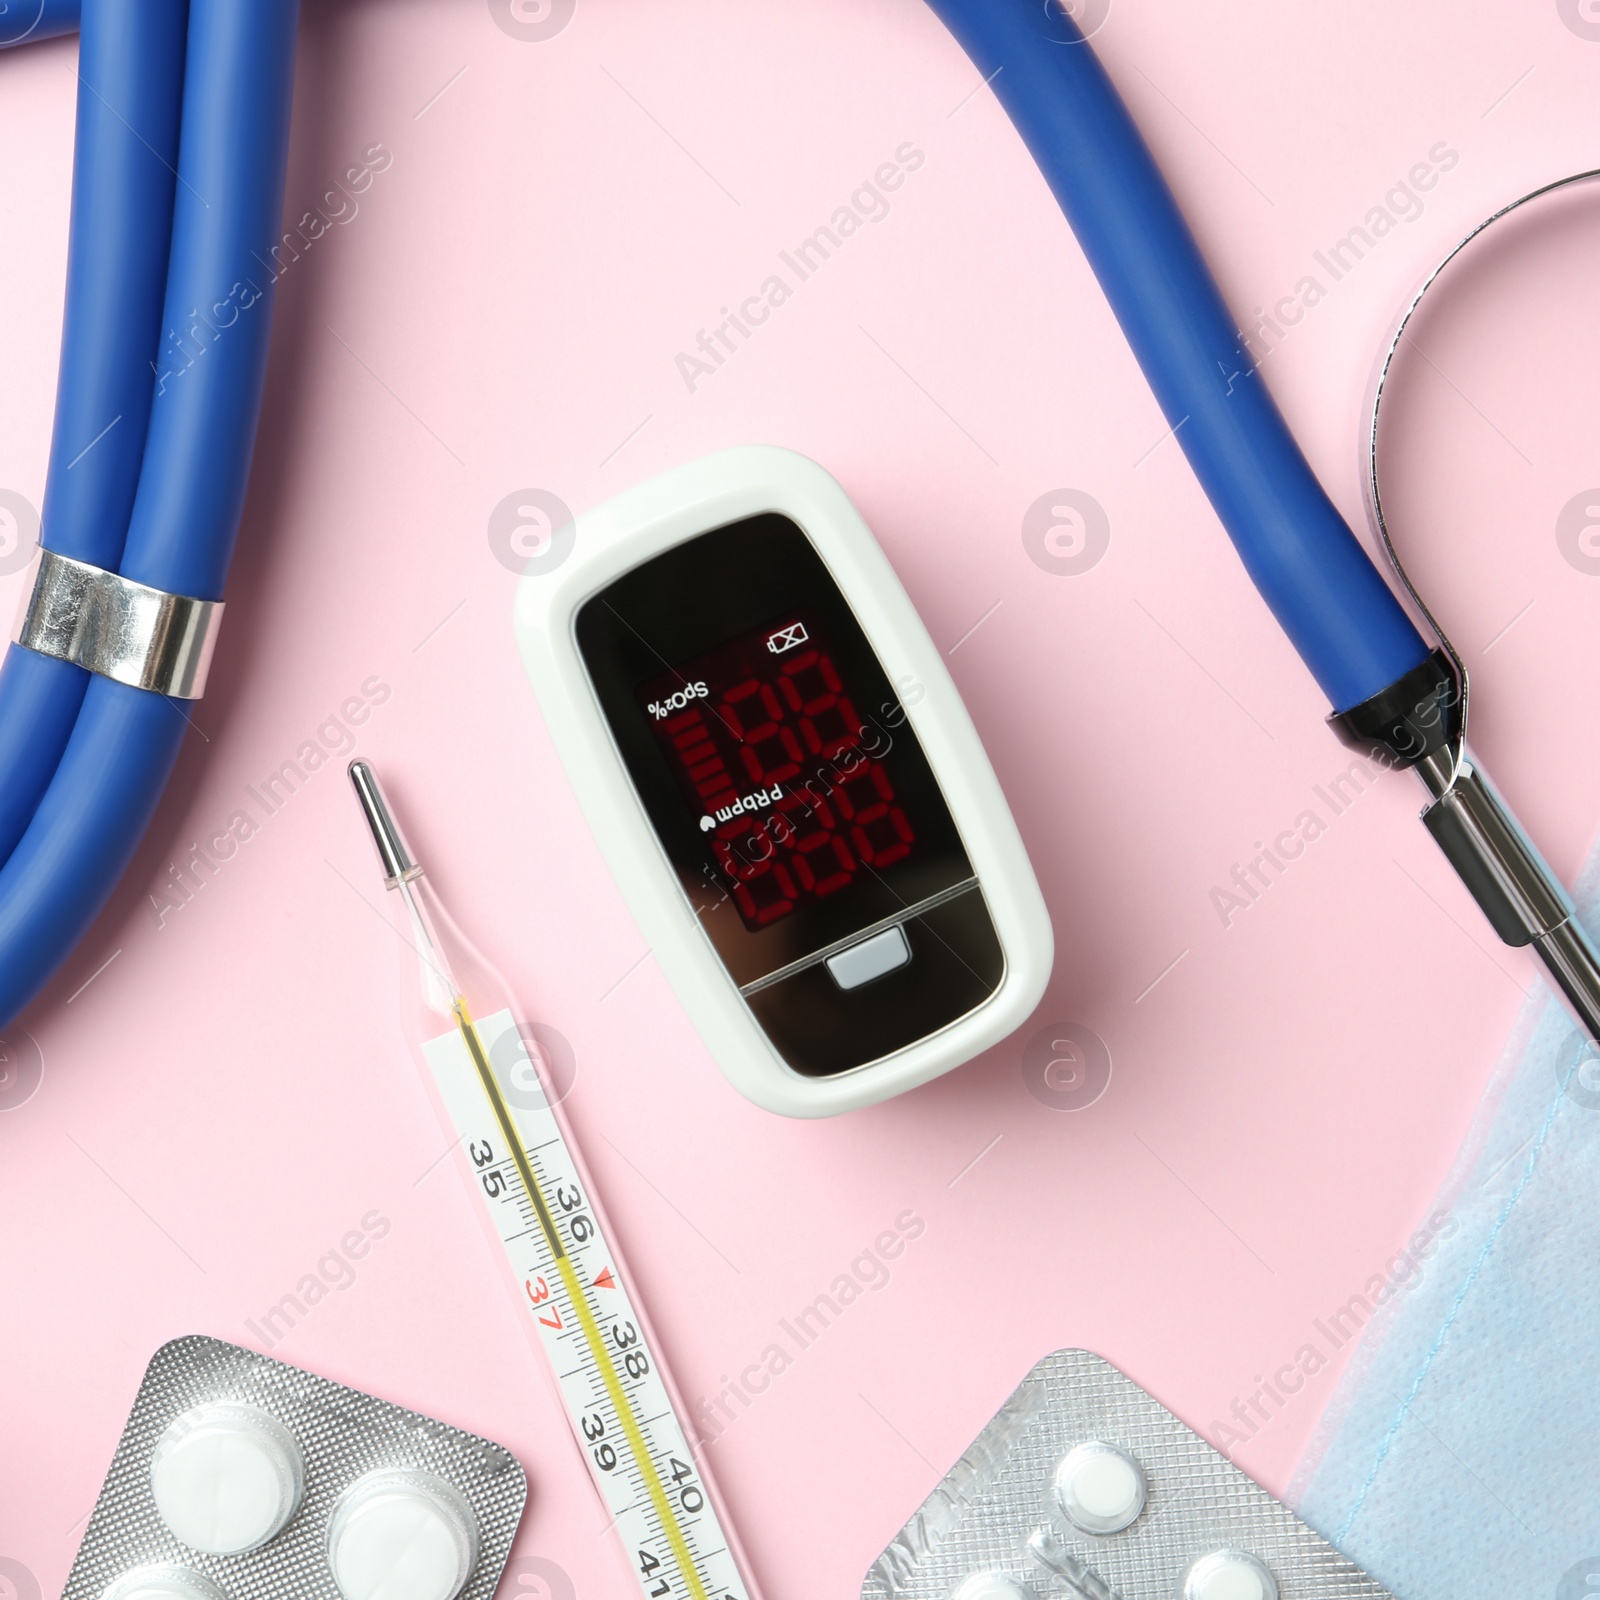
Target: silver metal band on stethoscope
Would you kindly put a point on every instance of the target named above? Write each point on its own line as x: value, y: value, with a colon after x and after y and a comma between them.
x: 1477, y: 831
x: 123, y: 630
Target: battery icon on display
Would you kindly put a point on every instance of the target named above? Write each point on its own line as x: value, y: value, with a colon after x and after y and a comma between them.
x: 787, y: 638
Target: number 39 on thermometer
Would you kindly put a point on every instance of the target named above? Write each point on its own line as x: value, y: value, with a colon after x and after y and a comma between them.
x: 618, y: 1398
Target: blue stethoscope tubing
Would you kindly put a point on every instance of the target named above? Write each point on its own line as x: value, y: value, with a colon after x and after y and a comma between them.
x: 1340, y: 614
x: 130, y: 67
x: 202, y: 351
x: 1321, y: 585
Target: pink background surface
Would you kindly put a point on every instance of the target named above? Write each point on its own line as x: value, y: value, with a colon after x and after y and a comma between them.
x: 231, y: 1094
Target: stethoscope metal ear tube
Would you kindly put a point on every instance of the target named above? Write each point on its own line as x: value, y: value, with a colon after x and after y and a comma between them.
x: 1519, y: 894
x: 1423, y: 724
x: 1512, y: 883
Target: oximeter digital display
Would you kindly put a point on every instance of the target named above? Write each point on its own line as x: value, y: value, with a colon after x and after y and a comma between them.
x: 792, y: 786
x: 785, y: 781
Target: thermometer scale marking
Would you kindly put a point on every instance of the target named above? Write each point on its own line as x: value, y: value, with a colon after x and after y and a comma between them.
x: 648, y: 1479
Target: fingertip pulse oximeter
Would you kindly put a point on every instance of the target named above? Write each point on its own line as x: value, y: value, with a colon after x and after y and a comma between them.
x: 785, y: 782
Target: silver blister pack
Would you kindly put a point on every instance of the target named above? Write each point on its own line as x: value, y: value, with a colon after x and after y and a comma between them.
x: 1084, y: 1486
x: 316, y: 1474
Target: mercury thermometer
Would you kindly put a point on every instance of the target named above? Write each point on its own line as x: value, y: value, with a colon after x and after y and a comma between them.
x: 518, y: 1151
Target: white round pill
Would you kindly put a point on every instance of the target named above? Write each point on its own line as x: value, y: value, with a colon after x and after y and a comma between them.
x: 163, y: 1583
x: 1229, y: 1575
x: 402, y: 1534
x: 226, y: 1477
x: 993, y: 1586
x: 1100, y: 1488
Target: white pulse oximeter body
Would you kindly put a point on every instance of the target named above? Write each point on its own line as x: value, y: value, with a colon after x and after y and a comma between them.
x: 785, y: 782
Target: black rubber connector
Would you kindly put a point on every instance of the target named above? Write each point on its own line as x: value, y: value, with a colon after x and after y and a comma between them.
x: 1413, y: 717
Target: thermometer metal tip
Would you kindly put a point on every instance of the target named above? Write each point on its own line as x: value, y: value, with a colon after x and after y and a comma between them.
x: 399, y: 865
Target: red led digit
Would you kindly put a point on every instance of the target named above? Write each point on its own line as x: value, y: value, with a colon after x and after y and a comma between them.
x: 821, y: 859
x: 810, y: 680
x: 763, y: 887
x: 834, y: 866
x: 771, y: 753
x: 882, y: 835
x: 867, y: 786
x: 832, y: 730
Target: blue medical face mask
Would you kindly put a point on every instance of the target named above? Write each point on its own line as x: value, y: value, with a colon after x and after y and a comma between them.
x: 1460, y: 1458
